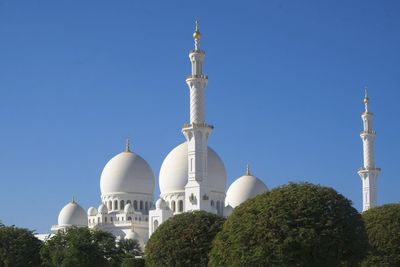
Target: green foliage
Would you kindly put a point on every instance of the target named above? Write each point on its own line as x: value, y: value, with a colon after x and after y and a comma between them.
x: 18, y: 247
x: 383, y: 228
x: 183, y: 240
x: 80, y: 247
x: 133, y: 262
x: 129, y: 248
x: 293, y: 225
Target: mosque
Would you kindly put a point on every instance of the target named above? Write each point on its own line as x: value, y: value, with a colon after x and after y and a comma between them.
x: 192, y: 176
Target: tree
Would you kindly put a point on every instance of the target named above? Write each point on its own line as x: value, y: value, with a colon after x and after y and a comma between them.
x: 383, y: 229
x: 293, y: 225
x: 129, y: 248
x: 183, y: 240
x: 80, y: 247
x: 18, y: 247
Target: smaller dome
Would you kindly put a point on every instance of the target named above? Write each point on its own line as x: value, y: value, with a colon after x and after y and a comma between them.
x: 102, y: 209
x: 92, y: 211
x: 129, y: 208
x: 244, y: 188
x: 161, y: 204
x: 228, y: 210
x: 72, y: 215
x: 132, y: 235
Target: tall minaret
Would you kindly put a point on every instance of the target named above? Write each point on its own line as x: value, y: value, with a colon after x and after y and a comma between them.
x: 196, y: 133
x: 369, y: 172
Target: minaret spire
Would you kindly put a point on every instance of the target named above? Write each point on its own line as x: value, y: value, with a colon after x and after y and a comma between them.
x: 366, y: 99
x: 196, y: 35
x: 369, y: 172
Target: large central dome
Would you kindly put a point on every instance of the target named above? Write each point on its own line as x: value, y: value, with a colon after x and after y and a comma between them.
x: 174, y: 171
x: 127, y: 172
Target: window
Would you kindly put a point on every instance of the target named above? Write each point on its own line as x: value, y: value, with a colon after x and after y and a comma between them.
x: 111, y: 219
x: 98, y: 219
x: 155, y: 225
x: 122, y: 204
x: 146, y: 205
x: 115, y: 204
x: 128, y: 201
x: 105, y: 219
x: 129, y: 218
x: 180, y: 205
x: 141, y: 205
x: 212, y: 203
x: 218, y: 207
x: 135, y: 204
x: 173, y: 206
x: 109, y: 206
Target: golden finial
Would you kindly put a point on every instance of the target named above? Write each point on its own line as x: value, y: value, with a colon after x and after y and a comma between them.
x: 247, y: 169
x: 196, y: 34
x: 366, y: 99
x: 73, y: 199
x: 127, y: 145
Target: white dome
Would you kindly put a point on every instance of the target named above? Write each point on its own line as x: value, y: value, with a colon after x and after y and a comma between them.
x: 244, y: 188
x: 102, y: 209
x: 174, y: 171
x: 127, y: 173
x: 92, y: 211
x: 161, y: 204
x: 129, y: 208
x: 132, y: 235
x: 72, y: 215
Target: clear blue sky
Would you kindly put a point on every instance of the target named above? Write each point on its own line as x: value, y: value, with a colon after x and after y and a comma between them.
x: 285, y: 93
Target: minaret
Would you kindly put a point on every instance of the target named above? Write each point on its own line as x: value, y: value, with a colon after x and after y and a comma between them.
x: 196, y: 133
x: 369, y: 172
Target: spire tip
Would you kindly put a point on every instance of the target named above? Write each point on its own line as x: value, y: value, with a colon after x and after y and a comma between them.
x: 247, y: 169
x: 127, y: 145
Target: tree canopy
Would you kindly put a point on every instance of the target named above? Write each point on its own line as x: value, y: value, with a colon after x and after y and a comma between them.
x: 294, y: 225
x: 183, y: 240
x: 18, y: 247
x: 80, y: 247
x: 383, y: 229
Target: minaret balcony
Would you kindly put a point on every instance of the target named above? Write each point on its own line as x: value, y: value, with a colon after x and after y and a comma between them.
x: 197, y: 125
x: 197, y: 76
x: 368, y: 132
x: 365, y: 169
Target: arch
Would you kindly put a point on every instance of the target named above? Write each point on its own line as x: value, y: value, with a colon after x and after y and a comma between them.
x: 135, y: 204
x: 173, y: 205
x: 129, y: 218
x: 122, y: 204
x: 128, y: 201
x: 180, y: 205
x: 155, y: 225
x: 115, y: 204
x: 141, y: 204
x: 109, y: 206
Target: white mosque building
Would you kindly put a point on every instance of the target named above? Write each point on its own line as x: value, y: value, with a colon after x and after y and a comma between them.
x: 192, y: 176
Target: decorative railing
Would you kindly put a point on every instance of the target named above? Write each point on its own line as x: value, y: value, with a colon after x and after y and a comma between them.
x: 197, y: 76
x: 197, y: 125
